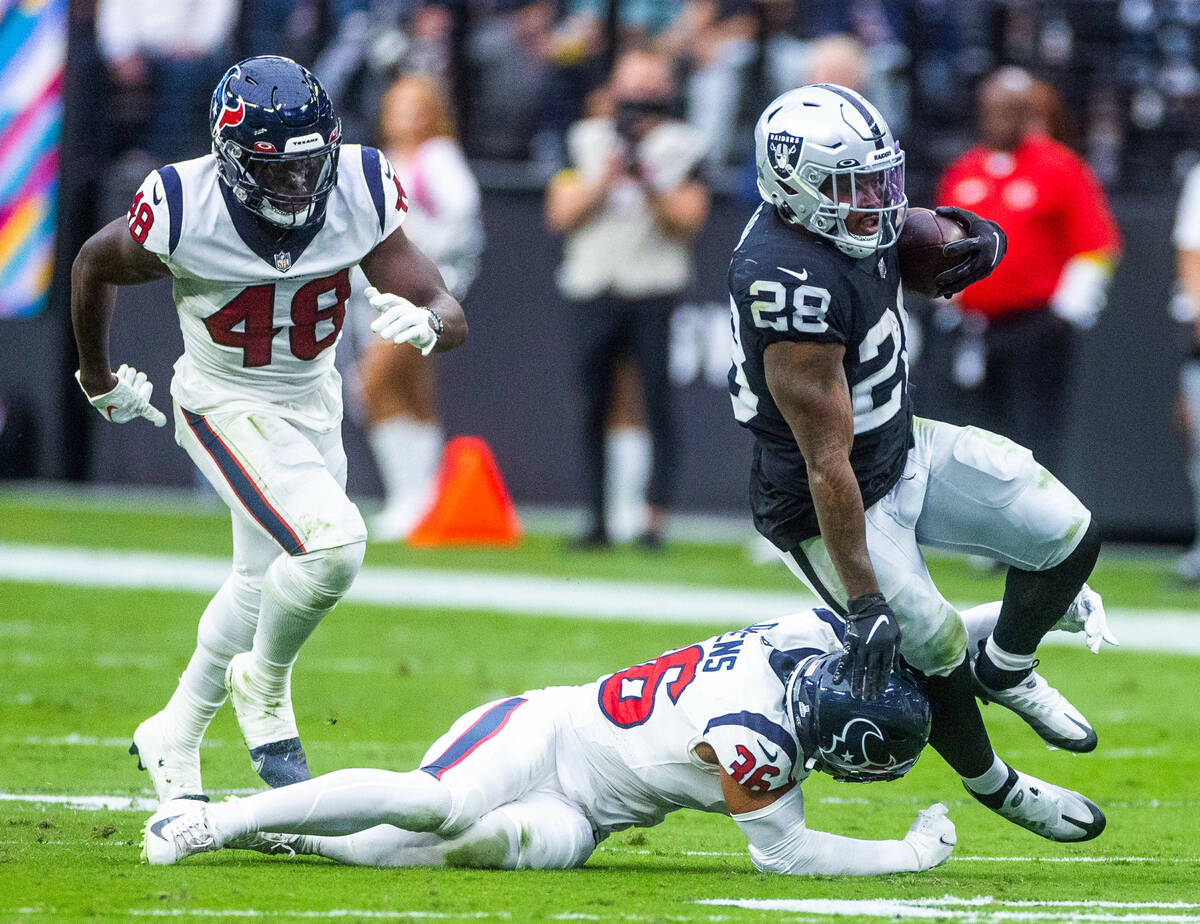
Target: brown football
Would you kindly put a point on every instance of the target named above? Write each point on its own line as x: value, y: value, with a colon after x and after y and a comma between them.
x: 922, y: 239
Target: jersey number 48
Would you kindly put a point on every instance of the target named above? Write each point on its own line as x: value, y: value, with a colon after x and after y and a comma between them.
x: 254, y: 309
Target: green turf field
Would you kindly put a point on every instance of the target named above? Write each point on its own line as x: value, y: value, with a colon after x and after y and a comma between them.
x: 81, y: 666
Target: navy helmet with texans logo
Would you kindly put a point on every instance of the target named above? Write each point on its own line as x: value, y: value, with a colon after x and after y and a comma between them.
x: 852, y: 739
x: 276, y: 138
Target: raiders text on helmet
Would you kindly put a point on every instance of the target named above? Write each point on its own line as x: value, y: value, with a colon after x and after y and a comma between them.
x: 822, y: 152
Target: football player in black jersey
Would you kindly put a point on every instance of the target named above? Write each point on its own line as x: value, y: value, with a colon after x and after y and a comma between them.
x: 847, y: 483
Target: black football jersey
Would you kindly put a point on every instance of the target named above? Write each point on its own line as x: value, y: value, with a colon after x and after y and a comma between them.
x: 788, y: 285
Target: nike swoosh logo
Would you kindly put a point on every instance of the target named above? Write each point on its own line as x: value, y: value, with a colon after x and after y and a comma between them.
x: 878, y: 622
x: 154, y: 195
x: 946, y: 842
x: 767, y: 754
x: 802, y: 275
x: 997, y: 260
x: 108, y: 410
x: 156, y: 828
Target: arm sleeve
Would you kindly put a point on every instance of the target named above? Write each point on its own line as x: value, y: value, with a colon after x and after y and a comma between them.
x: 979, y: 621
x: 780, y: 842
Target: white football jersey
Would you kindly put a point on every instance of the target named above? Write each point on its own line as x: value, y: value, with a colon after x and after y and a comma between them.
x: 637, y: 731
x: 261, y: 310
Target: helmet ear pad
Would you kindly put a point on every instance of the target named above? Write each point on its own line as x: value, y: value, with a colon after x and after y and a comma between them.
x: 852, y: 739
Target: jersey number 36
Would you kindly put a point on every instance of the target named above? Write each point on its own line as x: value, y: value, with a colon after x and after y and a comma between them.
x: 254, y: 309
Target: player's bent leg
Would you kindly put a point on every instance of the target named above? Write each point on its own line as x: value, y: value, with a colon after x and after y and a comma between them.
x: 297, y: 593
x: 539, y: 831
x: 339, y: 803
x: 496, y: 754
x: 987, y: 495
x: 168, y: 744
x: 552, y: 832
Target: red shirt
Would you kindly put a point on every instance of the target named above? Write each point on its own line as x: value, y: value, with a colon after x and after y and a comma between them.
x: 1050, y: 205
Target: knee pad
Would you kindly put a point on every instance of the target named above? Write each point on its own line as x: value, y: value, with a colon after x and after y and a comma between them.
x: 933, y: 638
x: 319, y: 579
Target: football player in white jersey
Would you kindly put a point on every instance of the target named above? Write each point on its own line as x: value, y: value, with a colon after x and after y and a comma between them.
x: 259, y: 237
x: 732, y: 724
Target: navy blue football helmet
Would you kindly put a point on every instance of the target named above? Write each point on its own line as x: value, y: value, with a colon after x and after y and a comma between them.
x: 857, y: 740
x: 276, y: 139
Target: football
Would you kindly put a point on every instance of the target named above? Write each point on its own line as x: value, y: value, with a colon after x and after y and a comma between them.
x: 920, y: 249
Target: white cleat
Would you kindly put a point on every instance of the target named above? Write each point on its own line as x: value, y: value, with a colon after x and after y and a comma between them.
x: 174, y: 771
x: 1047, y: 711
x: 268, y: 726
x: 1043, y: 808
x: 177, y: 830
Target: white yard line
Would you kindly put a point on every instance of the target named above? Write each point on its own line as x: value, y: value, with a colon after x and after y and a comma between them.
x: 983, y: 909
x: 273, y: 914
x: 1173, y: 631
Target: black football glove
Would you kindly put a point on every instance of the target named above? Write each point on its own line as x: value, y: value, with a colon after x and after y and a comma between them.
x: 872, y: 642
x: 982, y: 250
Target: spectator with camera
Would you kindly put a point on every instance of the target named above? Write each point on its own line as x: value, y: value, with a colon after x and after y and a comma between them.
x: 628, y: 208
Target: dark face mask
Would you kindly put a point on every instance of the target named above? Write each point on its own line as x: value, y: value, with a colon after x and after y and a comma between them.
x: 630, y: 114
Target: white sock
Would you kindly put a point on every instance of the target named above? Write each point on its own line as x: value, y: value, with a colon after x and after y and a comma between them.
x: 226, y: 628
x: 338, y: 803
x: 407, y: 453
x: 627, y: 473
x: 989, y: 781
x: 286, y: 620
x: 1006, y: 660
x: 296, y: 594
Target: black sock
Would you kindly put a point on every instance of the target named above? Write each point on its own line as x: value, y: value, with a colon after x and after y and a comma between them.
x: 1035, y: 600
x: 993, y: 677
x: 994, y: 800
x: 958, y: 733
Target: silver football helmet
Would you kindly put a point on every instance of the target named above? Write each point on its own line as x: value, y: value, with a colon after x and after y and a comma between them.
x: 823, y: 152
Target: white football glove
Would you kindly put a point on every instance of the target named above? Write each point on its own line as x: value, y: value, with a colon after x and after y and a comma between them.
x: 932, y: 837
x: 130, y: 398
x: 400, y: 321
x: 1086, y: 615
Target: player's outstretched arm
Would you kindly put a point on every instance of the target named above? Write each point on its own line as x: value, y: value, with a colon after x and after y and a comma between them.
x: 780, y: 842
x: 397, y: 268
x: 109, y: 258
x: 808, y: 384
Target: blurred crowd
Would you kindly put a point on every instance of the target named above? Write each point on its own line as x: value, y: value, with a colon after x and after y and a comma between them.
x: 521, y: 71
x: 517, y: 85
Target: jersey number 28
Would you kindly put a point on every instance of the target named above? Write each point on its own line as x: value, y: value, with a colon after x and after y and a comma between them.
x: 254, y: 309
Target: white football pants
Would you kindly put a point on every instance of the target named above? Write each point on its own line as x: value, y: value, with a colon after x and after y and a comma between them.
x: 964, y: 490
